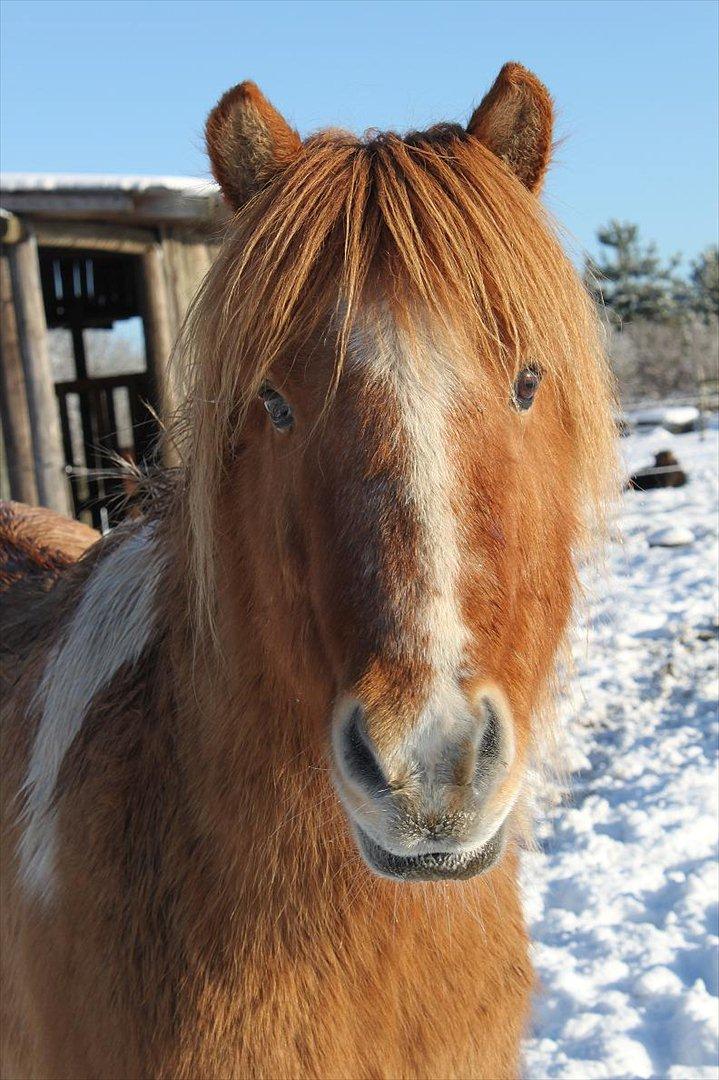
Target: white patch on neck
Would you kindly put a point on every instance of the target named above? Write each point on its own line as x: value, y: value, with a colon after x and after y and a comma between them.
x: 109, y: 629
x: 423, y: 387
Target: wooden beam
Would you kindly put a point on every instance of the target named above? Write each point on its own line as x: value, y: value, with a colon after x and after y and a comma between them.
x: 68, y: 204
x: 152, y: 206
x: 50, y: 477
x: 17, y: 435
x: 124, y: 240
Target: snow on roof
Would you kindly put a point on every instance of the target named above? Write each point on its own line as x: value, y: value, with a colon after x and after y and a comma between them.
x: 189, y: 185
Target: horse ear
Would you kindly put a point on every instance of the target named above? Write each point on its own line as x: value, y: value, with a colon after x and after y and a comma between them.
x: 248, y: 142
x: 514, y: 121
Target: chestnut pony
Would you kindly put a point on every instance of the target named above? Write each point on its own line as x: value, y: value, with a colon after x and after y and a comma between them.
x: 266, y: 751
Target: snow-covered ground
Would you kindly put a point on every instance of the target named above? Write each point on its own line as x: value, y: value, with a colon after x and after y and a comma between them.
x: 622, y: 895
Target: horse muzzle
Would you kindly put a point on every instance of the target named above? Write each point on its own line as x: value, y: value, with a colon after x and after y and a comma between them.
x: 432, y: 803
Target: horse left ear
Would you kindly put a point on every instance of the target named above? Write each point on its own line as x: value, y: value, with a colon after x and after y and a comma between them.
x: 248, y: 142
x: 514, y: 121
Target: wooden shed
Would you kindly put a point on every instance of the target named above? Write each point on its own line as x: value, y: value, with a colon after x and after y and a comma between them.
x: 83, y: 255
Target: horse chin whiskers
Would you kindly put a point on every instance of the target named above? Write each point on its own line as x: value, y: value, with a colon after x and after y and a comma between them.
x: 435, y: 864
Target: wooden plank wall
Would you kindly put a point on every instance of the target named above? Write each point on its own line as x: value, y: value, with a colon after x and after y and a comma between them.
x: 188, y: 256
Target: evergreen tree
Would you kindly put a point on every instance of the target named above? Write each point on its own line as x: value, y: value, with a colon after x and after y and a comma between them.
x: 704, y: 279
x: 629, y: 277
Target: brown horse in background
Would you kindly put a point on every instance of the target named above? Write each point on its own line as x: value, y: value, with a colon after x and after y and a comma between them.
x: 266, y: 751
x: 39, y: 542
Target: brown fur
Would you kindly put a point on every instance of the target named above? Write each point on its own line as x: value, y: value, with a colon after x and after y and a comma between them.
x: 38, y: 541
x: 211, y: 916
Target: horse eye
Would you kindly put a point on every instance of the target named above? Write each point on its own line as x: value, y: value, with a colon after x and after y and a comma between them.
x: 280, y: 412
x: 525, y: 387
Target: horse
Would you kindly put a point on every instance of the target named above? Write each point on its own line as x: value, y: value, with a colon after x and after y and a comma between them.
x: 36, y: 540
x: 268, y: 750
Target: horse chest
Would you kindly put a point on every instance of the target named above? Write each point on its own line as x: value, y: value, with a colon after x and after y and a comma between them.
x: 421, y: 999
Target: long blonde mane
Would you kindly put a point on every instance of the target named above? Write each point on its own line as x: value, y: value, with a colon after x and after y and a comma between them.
x: 434, y: 223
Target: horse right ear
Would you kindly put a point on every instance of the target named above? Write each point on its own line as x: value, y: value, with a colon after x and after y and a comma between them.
x: 248, y: 142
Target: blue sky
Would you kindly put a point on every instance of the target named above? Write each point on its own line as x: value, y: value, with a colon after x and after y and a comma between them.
x: 90, y: 86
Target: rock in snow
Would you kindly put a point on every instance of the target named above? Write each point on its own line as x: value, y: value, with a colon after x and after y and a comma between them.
x: 676, y: 418
x: 621, y: 897
x: 671, y: 536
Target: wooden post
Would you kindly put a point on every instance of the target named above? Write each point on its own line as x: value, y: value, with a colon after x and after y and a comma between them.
x: 17, y: 435
x: 158, y: 332
x: 52, y: 487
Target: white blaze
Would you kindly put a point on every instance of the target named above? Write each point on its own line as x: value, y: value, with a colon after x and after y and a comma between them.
x: 109, y: 629
x: 423, y: 387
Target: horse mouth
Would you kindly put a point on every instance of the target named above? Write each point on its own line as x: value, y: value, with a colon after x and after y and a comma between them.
x: 432, y: 865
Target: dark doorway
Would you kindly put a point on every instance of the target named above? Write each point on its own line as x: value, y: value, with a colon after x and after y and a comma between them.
x: 106, y: 394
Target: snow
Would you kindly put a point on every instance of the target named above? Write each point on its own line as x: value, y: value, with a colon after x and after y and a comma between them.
x: 190, y: 185
x: 621, y: 896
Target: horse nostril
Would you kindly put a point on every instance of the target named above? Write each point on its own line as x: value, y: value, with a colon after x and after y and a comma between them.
x: 491, y: 738
x: 495, y: 751
x: 359, y: 758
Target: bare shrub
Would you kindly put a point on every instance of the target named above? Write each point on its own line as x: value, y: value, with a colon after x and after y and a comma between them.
x: 660, y: 360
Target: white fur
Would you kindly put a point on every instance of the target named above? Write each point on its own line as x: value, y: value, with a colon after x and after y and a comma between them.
x: 108, y: 630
